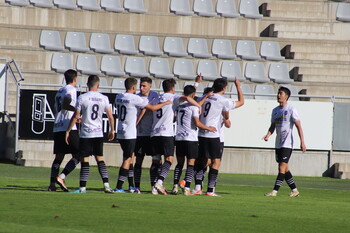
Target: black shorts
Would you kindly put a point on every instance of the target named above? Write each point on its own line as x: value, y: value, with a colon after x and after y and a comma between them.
x: 60, y: 146
x: 143, y: 146
x: 128, y: 147
x: 91, y: 146
x: 210, y: 148
x: 163, y: 145
x: 187, y: 148
x: 283, y: 155
x: 221, y: 148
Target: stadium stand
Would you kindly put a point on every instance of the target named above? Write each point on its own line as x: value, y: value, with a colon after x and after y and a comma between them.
x: 245, y: 89
x: 118, y: 83
x: 100, y: 43
x: 61, y: 62
x: 113, y: 6
x: 204, y: 8
x: 51, y: 40
x: 18, y: 2
x: 42, y: 3
x: 76, y: 42
x: 66, y: 4
x: 104, y: 83
x: 181, y: 7
x: 183, y: 69
x: 294, y: 91
x: 111, y: 65
x: 159, y: 68
x: 270, y: 50
x: 91, y: 5
x: 87, y: 64
x: 231, y: 70
x: 178, y: 88
x: 208, y: 69
x: 279, y: 73
x: 222, y: 49
x: 173, y: 46
x: 246, y: 50
x: 249, y: 9
x: 125, y: 44
x: 149, y: 45
x: 264, y: 89
x: 198, y: 47
x: 227, y: 8
x: 200, y: 87
x: 255, y: 72
x: 343, y: 12
x: 136, y: 66
x: 135, y: 6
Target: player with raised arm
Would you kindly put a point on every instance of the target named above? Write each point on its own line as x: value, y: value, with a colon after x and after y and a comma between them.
x: 92, y: 105
x: 283, y: 118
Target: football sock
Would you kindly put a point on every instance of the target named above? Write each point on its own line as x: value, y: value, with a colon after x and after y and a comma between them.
x: 55, y: 168
x: 106, y: 185
x: 137, y: 173
x: 70, y: 166
x: 154, y: 172
x: 131, y: 175
x: 212, y: 177
x: 279, y: 181
x: 103, y: 171
x: 123, y: 174
x: 84, y: 173
x: 198, y: 175
x: 290, y: 180
x: 177, y: 173
x: 165, y: 170
x: 205, y: 169
x: 189, y: 175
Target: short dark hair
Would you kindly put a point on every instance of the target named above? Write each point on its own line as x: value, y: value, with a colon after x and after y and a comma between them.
x: 285, y: 90
x: 146, y: 79
x: 69, y: 76
x: 219, y: 84
x: 189, y: 89
x: 168, y: 84
x: 129, y: 83
x: 207, y: 90
x: 93, y: 80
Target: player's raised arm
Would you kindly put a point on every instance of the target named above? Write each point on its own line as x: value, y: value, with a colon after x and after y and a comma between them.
x: 301, y: 135
x: 240, y: 100
x: 72, y: 122
x: 269, y: 132
x: 111, y: 124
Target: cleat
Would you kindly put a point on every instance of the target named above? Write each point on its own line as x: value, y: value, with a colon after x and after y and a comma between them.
x: 294, y: 194
x: 212, y: 194
x: 271, y: 194
x: 197, y: 192
x: 108, y: 190
x: 187, y: 192
x: 119, y: 190
x: 182, y: 184
x: 160, y: 188
x: 52, y: 188
x: 62, y: 184
x: 78, y: 191
x: 137, y: 191
x: 132, y: 189
x: 175, y: 190
x: 154, y: 191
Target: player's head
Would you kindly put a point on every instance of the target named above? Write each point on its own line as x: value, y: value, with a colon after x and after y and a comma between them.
x: 189, y: 90
x: 70, y: 76
x: 145, y: 85
x: 93, y: 82
x: 219, y: 85
x: 283, y: 94
x: 207, y: 90
x: 130, y: 84
x: 168, y: 85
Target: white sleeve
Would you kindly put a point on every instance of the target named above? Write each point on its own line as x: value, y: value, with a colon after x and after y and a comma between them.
x: 79, y: 103
x: 195, y: 112
x: 229, y: 105
x: 140, y: 102
x: 106, y: 102
x: 295, y: 116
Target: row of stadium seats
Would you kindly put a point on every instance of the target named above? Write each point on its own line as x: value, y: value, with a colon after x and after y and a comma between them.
x: 149, y: 45
x: 343, y: 12
x: 182, y: 68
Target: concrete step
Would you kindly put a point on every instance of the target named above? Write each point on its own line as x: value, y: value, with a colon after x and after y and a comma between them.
x: 322, y: 56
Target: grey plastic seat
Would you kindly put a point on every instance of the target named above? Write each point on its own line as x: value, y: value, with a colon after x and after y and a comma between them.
x: 75, y: 41
x: 245, y: 90
x: 113, y: 6
x: 255, y: 72
x: 246, y: 49
x: 135, y: 6
x: 135, y: 66
x: 249, y: 9
x: 99, y: 42
x: 173, y: 46
x: 159, y: 68
x: 18, y: 2
x: 227, y: 8
x: 208, y: 68
x: 183, y: 69
x: 118, y: 83
x: 61, y: 62
x: 81, y: 80
x: 200, y: 87
x: 270, y: 50
x: 279, y: 73
x: 104, y: 83
x: 231, y: 70
x: 66, y: 4
x: 222, y: 49
x: 264, y: 89
x: 293, y: 91
x: 181, y: 7
x: 87, y: 64
x: 125, y: 44
x: 343, y: 12
x: 51, y: 40
x: 149, y: 45
x: 111, y: 65
x: 198, y: 47
x: 204, y: 8
x: 90, y: 5
x: 42, y: 3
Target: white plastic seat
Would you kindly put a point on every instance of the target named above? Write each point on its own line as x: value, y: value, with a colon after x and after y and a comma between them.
x: 112, y: 5
x: 200, y: 87
x: 249, y: 9
x: 66, y: 4
x: 270, y: 50
x: 198, y: 47
x: 246, y: 49
x: 51, y: 40
x: 245, y: 90
x: 279, y: 73
x: 125, y: 44
x: 42, y: 3
x: 293, y: 91
x: 231, y: 70
x: 18, y: 2
x: 61, y: 62
x: 255, y: 72
x: 135, y: 6
x: 204, y: 8
x: 149, y: 45
x: 181, y: 7
x: 343, y: 12
x: 75, y: 41
x: 111, y: 65
x: 100, y: 43
x: 208, y: 68
x: 223, y: 49
x: 90, y: 5
x: 118, y: 83
x: 135, y: 66
x: 227, y: 8
x: 159, y: 68
x: 87, y: 64
x: 173, y: 46
x: 264, y: 89
x: 183, y: 69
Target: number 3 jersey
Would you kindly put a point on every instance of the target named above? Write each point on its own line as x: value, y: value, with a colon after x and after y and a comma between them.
x: 62, y: 117
x: 127, y: 105
x: 92, y: 106
x: 186, y: 128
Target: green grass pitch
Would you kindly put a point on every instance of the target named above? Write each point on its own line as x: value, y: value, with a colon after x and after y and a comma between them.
x: 26, y: 206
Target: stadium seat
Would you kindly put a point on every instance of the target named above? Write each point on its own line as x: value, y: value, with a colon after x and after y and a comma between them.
x: 230, y: 70
x: 343, y: 12
x: 100, y: 43
x: 270, y: 50
x: 181, y: 7
x: 200, y: 87
x: 249, y: 9
x: 135, y: 6
x: 90, y: 5
x: 104, y: 83
x: 223, y: 49
x: 255, y: 72
x: 183, y: 69
x: 135, y: 66
x: 66, y: 4
x: 208, y: 69
x: 173, y: 46
x: 61, y: 62
x: 118, y: 83
x: 113, y: 6
x: 111, y: 65
x: 198, y: 47
x: 264, y: 89
x: 18, y: 2
x: 246, y: 49
x: 87, y: 64
x: 42, y: 3
x: 279, y: 73
x: 159, y: 68
x: 51, y: 40
x: 81, y: 80
x: 75, y: 41
x: 149, y: 45
x: 125, y: 44
x: 227, y: 8
x: 245, y: 89
x: 293, y: 91
x: 204, y: 8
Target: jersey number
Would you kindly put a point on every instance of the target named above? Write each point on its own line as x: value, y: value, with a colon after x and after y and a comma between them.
x: 94, y: 113
x: 182, y: 116
x: 159, y: 113
x: 121, y: 112
x: 206, y: 109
